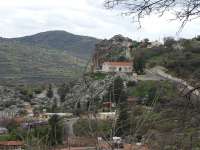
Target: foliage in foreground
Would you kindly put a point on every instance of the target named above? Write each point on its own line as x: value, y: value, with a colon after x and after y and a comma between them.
x: 92, y: 128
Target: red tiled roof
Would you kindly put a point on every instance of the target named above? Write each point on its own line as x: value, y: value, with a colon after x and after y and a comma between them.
x: 130, y: 98
x: 119, y: 63
x: 11, y: 143
x: 107, y: 102
x: 126, y: 146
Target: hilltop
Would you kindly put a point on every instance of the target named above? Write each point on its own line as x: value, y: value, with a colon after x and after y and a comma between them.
x: 77, y: 45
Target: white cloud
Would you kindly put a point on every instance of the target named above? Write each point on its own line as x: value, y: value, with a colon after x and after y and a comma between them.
x: 85, y: 17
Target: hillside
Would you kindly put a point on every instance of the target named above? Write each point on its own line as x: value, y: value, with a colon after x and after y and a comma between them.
x: 76, y: 45
x: 44, y: 57
x: 182, y: 59
x: 22, y: 63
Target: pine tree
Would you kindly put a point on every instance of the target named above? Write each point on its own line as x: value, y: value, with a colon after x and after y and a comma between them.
x: 54, y: 107
x: 115, y: 90
x: 50, y: 92
x: 56, y: 130
x: 122, y: 125
x: 139, y: 63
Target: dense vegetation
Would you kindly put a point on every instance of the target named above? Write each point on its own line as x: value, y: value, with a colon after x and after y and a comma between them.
x: 182, y: 57
x: 39, y: 136
x: 160, y: 117
x: 92, y: 128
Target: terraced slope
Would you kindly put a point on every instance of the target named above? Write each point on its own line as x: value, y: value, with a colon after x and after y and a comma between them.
x: 31, y: 63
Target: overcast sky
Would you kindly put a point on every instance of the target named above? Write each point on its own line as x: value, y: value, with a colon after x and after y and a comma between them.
x: 84, y: 17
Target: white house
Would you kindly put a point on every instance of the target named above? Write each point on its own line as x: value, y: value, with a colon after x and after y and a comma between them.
x: 49, y: 115
x: 125, y: 67
x: 155, y: 44
x: 3, y: 130
x: 107, y: 115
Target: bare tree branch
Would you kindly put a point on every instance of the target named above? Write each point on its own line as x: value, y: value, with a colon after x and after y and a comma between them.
x: 183, y: 10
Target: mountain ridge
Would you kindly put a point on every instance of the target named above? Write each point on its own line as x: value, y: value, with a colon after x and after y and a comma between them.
x: 45, y: 56
x: 77, y: 45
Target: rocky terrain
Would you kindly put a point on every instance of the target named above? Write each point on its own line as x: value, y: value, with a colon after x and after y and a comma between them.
x: 112, y: 49
x: 10, y: 100
x: 81, y: 91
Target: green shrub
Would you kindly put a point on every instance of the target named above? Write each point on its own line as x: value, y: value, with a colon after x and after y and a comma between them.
x: 84, y: 127
x: 98, y: 76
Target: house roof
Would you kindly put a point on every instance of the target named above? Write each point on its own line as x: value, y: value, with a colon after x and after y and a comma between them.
x: 11, y: 143
x: 2, y: 128
x: 107, y: 102
x: 119, y: 63
x: 106, y: 113
x: 131, y: 99
x: 104, y: 145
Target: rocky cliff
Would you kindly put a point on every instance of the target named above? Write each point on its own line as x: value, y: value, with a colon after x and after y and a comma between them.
x: 112, y: 49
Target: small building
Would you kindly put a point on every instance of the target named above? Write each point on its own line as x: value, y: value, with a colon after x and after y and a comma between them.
x: 132, y: 100
x: 117, y: 139
x: 3, y: 130
x: 107, y: 106
x: 118, y: 143
x: 125, y: 67
x: 155, y: 44
x: 49, y: 115
x: 28, y: 108
x: 46, y: 116
x: 11, y: 145
x: 34, y: 124
x: 107, y: 115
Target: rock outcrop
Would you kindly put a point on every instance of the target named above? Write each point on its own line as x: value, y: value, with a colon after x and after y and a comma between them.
x: 111, y: 49
x: 10, y: 100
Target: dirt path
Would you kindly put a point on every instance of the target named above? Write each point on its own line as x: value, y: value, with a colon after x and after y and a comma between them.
x: 69, y: 125
x: 183, y: 85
